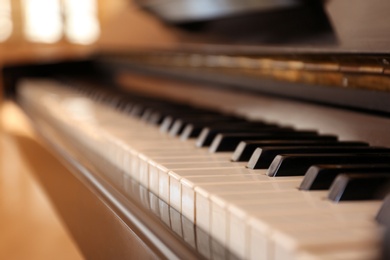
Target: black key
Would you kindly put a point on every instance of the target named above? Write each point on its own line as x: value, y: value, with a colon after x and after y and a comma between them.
x: 144, y: 110
x: 298, y: 164
x: 158, y: 115
x: 262, y: 158
x: 179, y: 124
x: 126, y: 108
x: 117, y: 102
x: 147, y: 114
x: 228, y: 141
x: 122, y: 105
x: 169, y: 119
x: 137, y: 110
x: 193, y: 130
x: 320, y: 177
x: 166, y: 124
x: 205, y: 119
x: 359, y: 187
x: 245, y: 149
x: 208, y: 134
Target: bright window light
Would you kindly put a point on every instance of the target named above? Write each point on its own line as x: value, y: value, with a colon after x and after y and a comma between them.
x: 43, y: 21
x: 5, y: 20
x: 81, y: 24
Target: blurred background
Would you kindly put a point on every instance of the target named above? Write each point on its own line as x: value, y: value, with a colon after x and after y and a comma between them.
x: 39, y: 29
x: 30, y: 26
x: 32, y: 31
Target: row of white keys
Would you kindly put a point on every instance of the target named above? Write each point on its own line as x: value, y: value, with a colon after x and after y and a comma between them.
x: 172, y: 149
x: 180, y: 225
x: 198, y: 189
x: 235, y: 232
x: 165, y: 175
x: 168, y: 180
x: 158, y: 166
x: 177, y: 177
x: 139, y: 147
x: 188, y: 161
x: 180, y: 177
x: 183, y: 228
x: 139, y: 137
x: 177, y: 230
x: 253, y: 223
x: 175, y: 189
x: 57, y: 105
x: 191, y: 234
x: 237, y: 217
x: 238, y: 242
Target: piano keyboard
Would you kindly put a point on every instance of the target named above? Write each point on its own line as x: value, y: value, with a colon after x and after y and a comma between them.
x: 242, y: 182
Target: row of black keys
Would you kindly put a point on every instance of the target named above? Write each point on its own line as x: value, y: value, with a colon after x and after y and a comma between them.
x: 346, y: 168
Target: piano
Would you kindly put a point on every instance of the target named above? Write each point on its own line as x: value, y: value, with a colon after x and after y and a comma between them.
x: 255, y: 130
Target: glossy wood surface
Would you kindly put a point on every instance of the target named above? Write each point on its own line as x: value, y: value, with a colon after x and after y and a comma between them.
x: 30, y: 228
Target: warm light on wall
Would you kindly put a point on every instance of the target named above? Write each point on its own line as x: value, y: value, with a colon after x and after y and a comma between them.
x: 81, y: 22
x: 5, y: 20
x: 42, y: 20
x: 49, y: 21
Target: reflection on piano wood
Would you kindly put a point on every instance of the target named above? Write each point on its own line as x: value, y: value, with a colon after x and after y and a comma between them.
x: 237, y: 211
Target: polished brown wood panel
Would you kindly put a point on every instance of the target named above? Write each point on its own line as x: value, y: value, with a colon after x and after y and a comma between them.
x: 30, y: 228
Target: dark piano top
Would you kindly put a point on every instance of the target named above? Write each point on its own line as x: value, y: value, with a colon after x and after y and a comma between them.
x: 316, y: 26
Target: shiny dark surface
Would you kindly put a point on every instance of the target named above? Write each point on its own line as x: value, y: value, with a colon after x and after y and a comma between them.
x: 369, y: 186
x: 320, y: 177
x: 298, y: 164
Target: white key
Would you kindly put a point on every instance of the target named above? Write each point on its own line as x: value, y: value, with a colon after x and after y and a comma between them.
x: 167, y: 170
x: 193, y: 180
x: 167, y: 161
x: 254, y: 227
x: 191, y: 170
x: 272, y: 192
x: 204, y: 192
x: 288, y: 243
